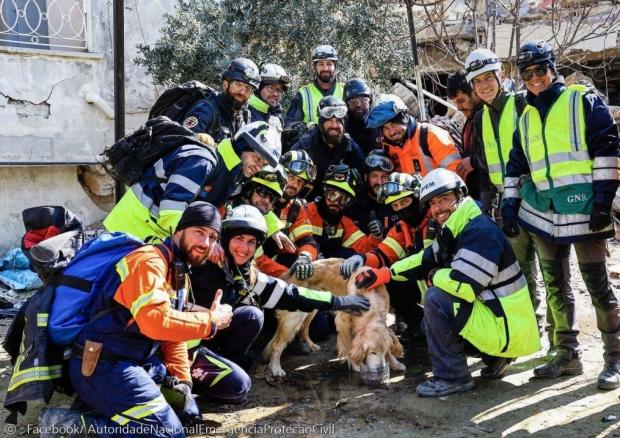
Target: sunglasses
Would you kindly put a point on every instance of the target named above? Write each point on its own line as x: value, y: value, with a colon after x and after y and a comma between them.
x: 333, y: 111
x: 336, y: 197
x: 265, y: 193
x: 298, y: 167
x: 539, y: 71
x: 383, y: 163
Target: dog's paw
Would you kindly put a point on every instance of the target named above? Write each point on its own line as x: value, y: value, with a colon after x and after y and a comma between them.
x: 395, y: 365
x: 276, y: 371
x: 313, y: 346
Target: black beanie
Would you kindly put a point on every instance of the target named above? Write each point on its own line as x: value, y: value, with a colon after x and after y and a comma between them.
x: 400, y: 119
x: 200, y: 214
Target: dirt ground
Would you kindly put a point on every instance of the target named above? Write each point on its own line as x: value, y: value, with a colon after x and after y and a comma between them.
x: 321, y: 397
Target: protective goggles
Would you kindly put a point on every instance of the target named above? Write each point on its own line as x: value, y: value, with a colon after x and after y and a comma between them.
x: 328, y: 112
x: 379, y: 162
x: 338, y: 172
x: 477, y: 64
x: 336, y: 197
x: 539, y: 71
x: 265, y: 193
x: 298, y: 167
x: 390, y: 188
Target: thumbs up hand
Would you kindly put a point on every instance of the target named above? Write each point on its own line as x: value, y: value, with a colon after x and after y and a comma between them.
x: 221, y: 314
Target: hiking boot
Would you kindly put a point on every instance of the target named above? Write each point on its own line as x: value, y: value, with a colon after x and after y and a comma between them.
x: 551, y: 352
x: 298, y: 348
x: 61, y: 422
x: 436, y: 387
x: 564, y: 363
x: 495, y: 368
x: 610, y: 376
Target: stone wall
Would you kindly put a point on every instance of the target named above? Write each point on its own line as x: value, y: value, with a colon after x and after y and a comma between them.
x: 57, y: 107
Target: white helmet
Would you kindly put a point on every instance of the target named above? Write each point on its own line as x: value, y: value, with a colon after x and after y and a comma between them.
x: 262, y: 139
x: 324, y: 51
x: 440, y: 181
x: 246, y: 218
x: 274, y: 74
x: 481, y: 61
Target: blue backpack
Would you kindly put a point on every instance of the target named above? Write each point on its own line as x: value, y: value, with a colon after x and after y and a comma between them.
x: 81, y: 282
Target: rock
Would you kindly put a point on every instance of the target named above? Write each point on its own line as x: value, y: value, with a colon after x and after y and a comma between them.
x: 342, y: 402
x: 609, y: 418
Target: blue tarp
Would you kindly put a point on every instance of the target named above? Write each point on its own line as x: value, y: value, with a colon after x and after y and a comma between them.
x: 14, y: 271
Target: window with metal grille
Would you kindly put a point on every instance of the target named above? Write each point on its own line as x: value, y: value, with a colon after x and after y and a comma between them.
x: 44, y: 24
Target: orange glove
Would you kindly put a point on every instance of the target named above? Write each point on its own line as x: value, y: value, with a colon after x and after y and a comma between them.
x: 372, y: 278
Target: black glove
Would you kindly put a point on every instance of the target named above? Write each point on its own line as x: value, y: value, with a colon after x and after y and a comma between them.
x: 353, y: 304
x: 179, y: 396
x: 600, y: 217
x: 302, y: 268
x: 510, y: 226
x: 375, y: 226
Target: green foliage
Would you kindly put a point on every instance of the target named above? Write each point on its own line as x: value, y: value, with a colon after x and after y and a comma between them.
x: 200, y: 39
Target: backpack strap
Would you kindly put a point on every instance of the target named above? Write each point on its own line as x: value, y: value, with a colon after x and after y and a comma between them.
x: 293, y: 212
x: 424, y: 139
x: 71, y: 281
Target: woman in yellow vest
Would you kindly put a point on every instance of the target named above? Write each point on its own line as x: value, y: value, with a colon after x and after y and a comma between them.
x: 560, y: 182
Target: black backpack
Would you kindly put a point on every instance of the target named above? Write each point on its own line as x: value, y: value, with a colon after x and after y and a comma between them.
x: 449, y: 126
x: 175, y: 102
x: 128, y: 159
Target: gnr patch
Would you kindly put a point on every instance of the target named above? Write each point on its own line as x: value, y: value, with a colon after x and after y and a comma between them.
x: 190, y: 122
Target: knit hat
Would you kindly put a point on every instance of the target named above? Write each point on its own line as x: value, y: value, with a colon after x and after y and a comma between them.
x: 200, y: 214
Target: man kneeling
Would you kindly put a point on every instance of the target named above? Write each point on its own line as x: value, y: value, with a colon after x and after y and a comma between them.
x: 478, y: 292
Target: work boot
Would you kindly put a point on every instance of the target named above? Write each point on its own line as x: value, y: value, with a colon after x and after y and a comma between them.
x: 297, y: 347
x: 436, y: 387
x: 496, y: 367
x: 565, y: 362
x: 610, y: 376
x: 61, y: 422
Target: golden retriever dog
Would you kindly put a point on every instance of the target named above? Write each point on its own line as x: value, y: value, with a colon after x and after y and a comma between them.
x: 364, y: 341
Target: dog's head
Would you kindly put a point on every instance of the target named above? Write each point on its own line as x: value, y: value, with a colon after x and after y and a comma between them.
x: 369, y: 350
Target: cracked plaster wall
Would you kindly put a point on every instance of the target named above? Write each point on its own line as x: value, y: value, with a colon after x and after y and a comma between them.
x: 44, y: 116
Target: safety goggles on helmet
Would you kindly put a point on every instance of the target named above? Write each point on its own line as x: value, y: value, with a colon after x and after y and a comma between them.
x: 283, y: 79
x: 336, y: 196
x: 391, y: 188
x: 328, y: 112
x: 374, y: 162
x: 251, y: 73
x: 477, y: 64
x: 298, y: 168
x: 539, y: 71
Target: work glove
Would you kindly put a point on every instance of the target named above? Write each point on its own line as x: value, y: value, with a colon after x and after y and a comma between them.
x: 302, y: 268
x: 510, y: 226
x: 372, y: 278
x: 179, y: 396
x: 353, y: 304
x: 600, y: 217
x: 350, y: 265
x: 375, y: 226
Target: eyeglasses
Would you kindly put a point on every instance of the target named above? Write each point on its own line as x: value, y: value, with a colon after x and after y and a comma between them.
x: 359, y: 100
x: 241, y: 86
x: 539, y: 71
x: 377, y: 161
x: 298, y: 167
x: 265, y: 193
x: 477, y: 64
x: 328, y: 112
x: 336, y: 197
x: 272, y: 88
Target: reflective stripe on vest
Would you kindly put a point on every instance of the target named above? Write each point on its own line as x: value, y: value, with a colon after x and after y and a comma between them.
x: 310, y: 97
x: 556, y: 148
x: 497, y: 148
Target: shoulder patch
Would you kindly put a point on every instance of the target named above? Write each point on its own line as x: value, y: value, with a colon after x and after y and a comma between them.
x: 190, y: 122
